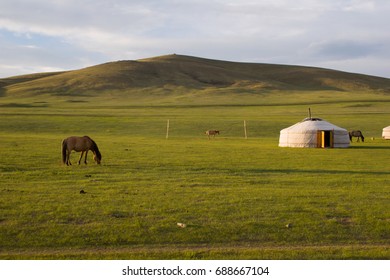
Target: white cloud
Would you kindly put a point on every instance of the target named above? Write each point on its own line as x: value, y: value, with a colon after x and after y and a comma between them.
x: 360, y: 5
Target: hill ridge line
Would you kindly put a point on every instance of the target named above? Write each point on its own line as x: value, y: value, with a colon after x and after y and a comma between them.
x: 182, y: 71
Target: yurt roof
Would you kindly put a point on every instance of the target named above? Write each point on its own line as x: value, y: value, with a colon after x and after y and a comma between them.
x: 387, y: 128
x: 312, y: 124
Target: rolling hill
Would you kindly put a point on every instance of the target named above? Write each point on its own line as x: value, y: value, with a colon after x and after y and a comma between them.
x: 179, y: 71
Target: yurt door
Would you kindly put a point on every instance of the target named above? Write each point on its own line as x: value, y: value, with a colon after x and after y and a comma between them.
x: 325, y: 139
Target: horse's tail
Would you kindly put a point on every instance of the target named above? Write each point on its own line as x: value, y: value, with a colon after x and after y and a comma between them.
x: 64, y: 146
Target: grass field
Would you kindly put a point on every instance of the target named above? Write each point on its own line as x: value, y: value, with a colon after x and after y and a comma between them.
x: 235, y: 195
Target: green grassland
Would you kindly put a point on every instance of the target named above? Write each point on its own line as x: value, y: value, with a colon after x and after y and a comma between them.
x: 235, y: 195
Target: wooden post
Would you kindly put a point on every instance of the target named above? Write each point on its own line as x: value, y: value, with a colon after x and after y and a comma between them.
x: 246, y: 136
x: 167, y: 135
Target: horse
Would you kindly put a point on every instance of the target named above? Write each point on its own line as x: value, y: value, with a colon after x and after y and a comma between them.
x: 356, y: 133
x: 211, y: 132
x: 80, y: 144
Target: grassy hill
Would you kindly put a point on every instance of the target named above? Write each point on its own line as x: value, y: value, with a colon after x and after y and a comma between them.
x: 181, y: 74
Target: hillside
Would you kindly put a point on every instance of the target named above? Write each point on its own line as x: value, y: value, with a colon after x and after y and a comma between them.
x: 190, y: 73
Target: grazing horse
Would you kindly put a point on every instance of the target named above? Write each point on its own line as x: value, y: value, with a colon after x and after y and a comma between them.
x: 211, y: 132
x: 356, y: 133
x: 80, y: 144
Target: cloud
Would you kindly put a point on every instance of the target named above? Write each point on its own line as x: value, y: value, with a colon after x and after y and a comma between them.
x: 70, y: 34
x: 344, y: 49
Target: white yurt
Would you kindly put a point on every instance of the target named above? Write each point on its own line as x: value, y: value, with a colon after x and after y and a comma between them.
x: 314, y: 133
x: 386, y: 133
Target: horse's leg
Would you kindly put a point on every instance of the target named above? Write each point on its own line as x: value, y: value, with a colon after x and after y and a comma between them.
x: 82, y: 153
x: 86, y: 153
x: 68, y: 158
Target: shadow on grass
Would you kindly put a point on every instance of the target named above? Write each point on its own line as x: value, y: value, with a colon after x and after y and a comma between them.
x: 20, y: 105
x: 318, y: 171
x: 370, y: 147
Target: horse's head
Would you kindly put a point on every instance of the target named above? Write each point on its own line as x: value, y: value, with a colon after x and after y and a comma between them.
x: 97, y: 159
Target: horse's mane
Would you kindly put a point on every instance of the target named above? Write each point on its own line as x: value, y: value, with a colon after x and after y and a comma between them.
x: 96, y: 149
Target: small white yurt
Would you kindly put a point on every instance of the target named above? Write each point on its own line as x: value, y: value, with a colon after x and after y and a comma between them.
x: 314, y: 133
x: 386, y: 133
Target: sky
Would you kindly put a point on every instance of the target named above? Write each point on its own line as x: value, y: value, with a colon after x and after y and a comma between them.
x: 55, y: 35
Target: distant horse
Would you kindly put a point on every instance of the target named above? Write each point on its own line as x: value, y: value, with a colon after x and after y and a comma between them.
x: 80, y: 144
x: 356, y: 133
x: 211, y: 132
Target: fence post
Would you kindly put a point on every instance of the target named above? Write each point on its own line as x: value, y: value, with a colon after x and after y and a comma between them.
x: 167, y: 135
x: 246, y: 136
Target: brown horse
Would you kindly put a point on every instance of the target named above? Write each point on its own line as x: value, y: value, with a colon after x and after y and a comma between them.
x: 356, y: 133
x: 79, y: 144
x: 211, y: 132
